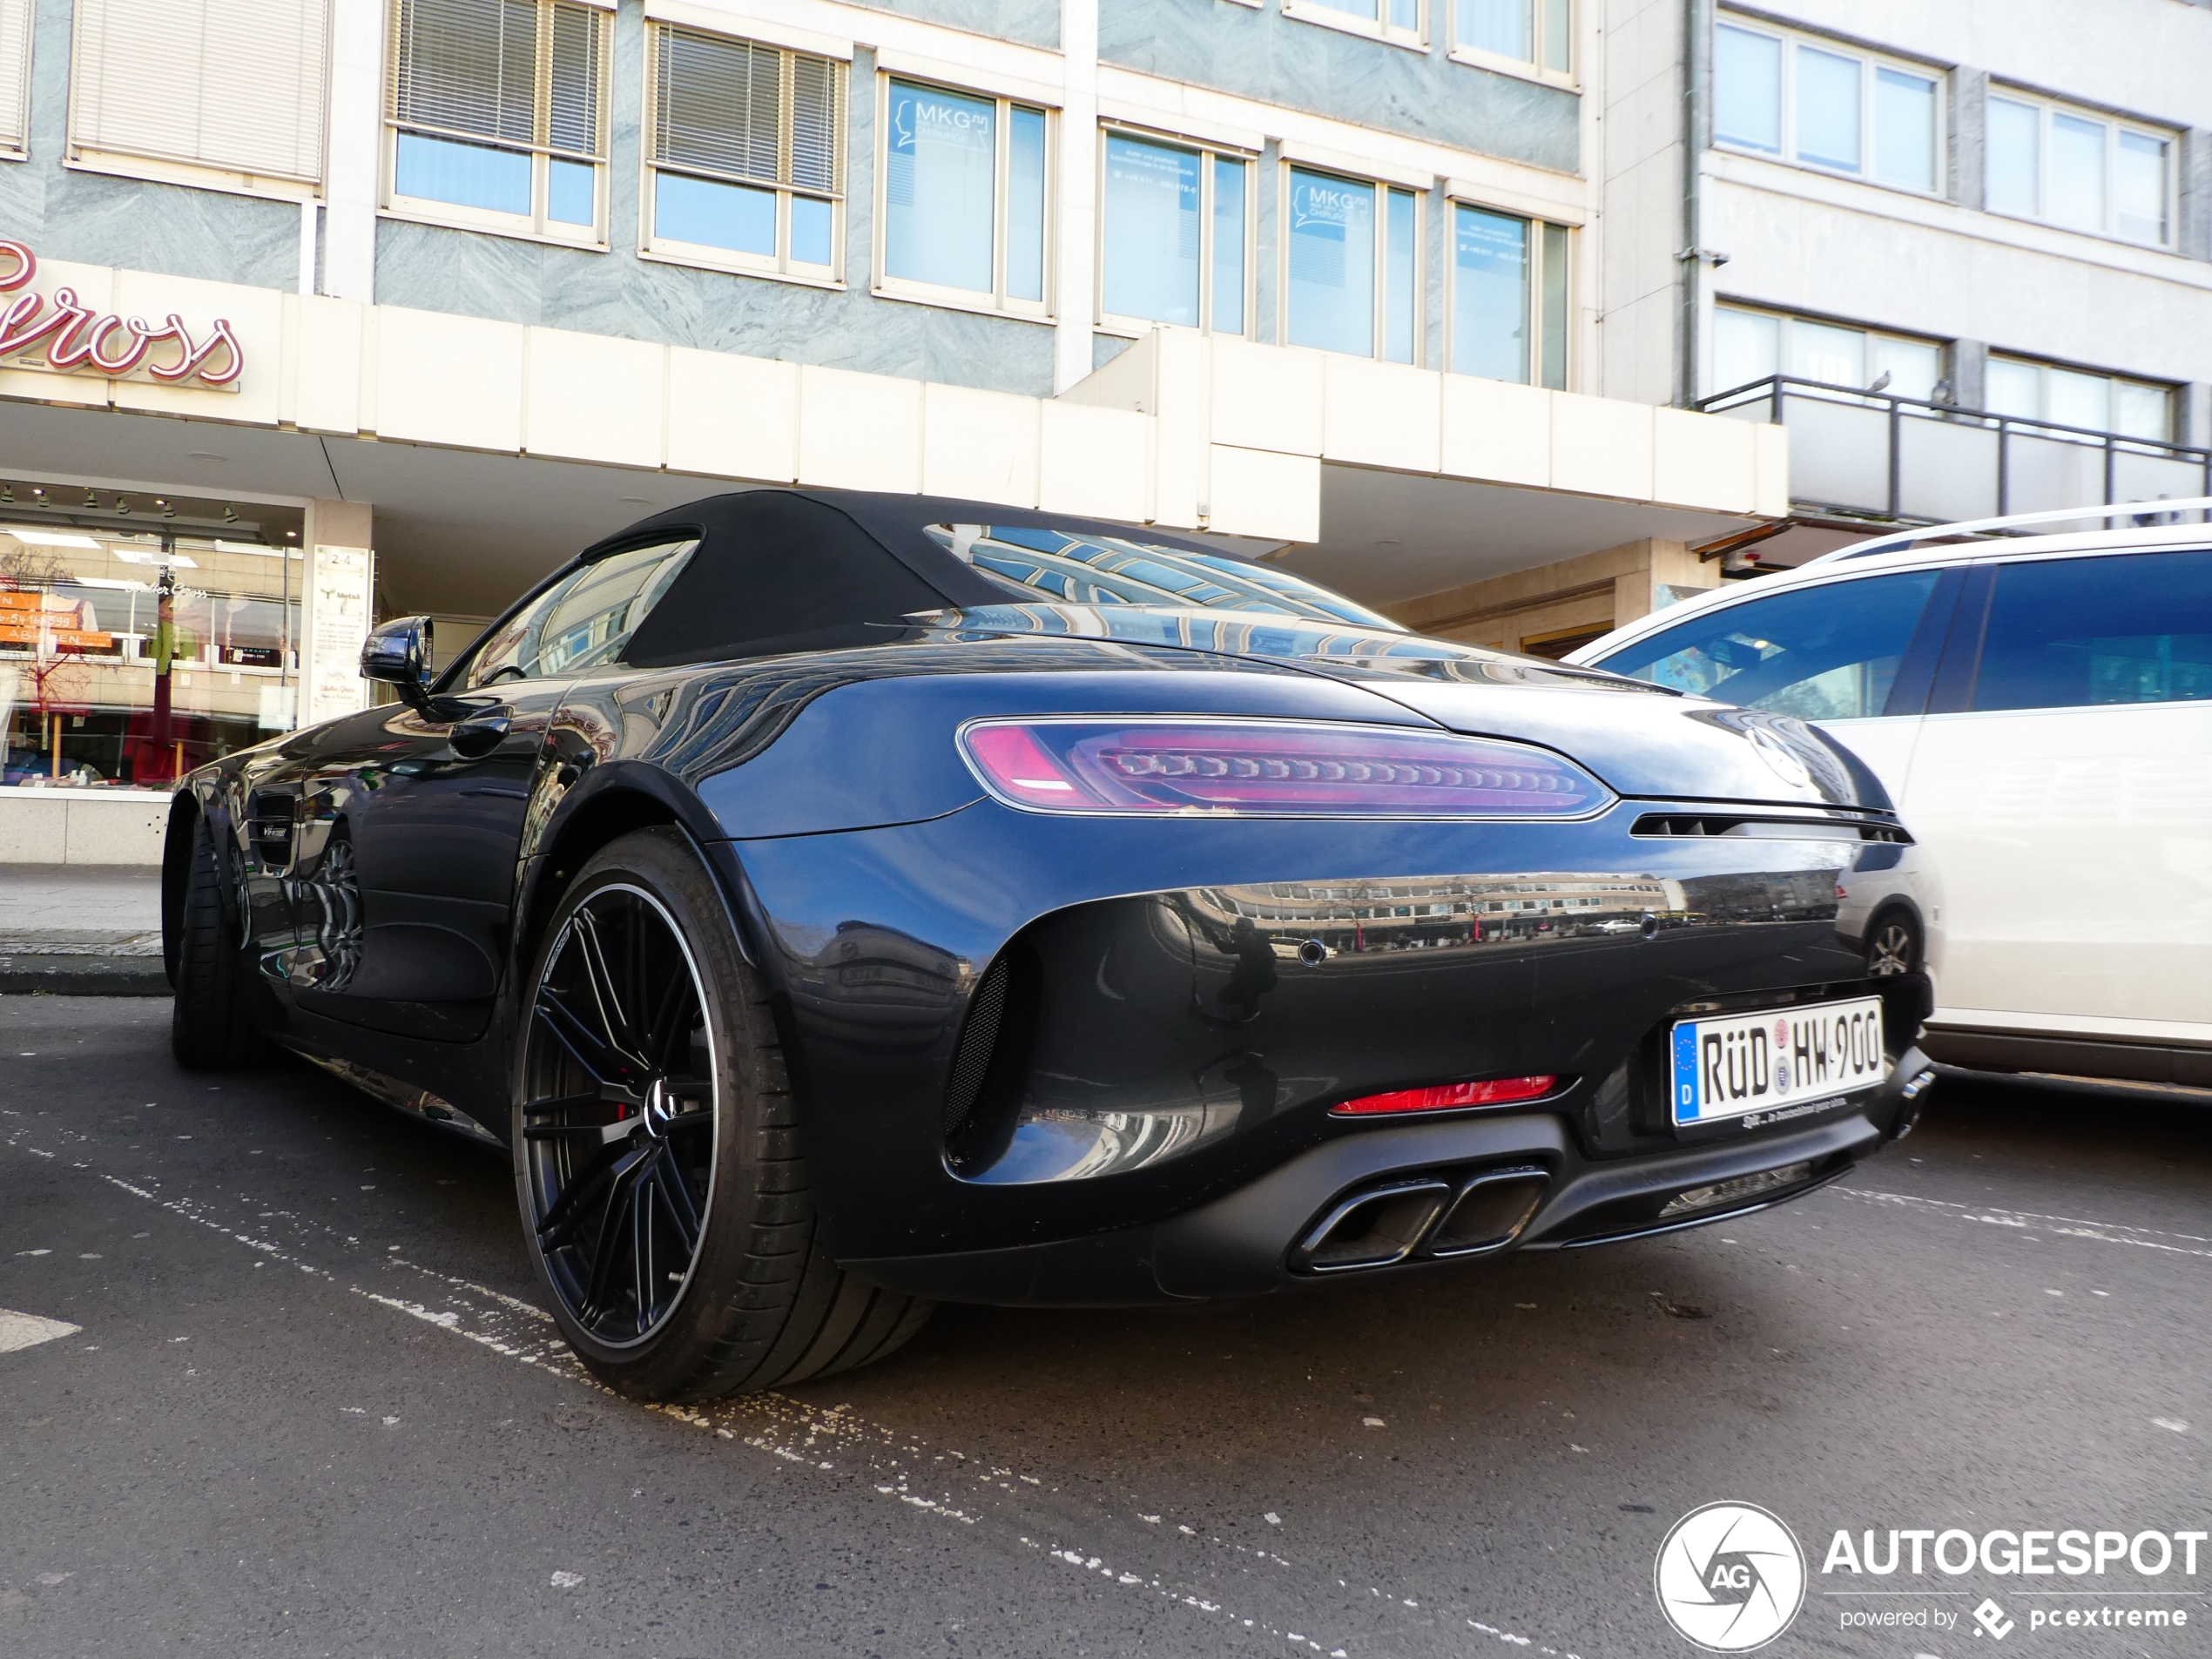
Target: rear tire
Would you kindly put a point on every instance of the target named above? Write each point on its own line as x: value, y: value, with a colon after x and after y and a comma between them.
x: 658, y: 1167
x: 209, y: 1029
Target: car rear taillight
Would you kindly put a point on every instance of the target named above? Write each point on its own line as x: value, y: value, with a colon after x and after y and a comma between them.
x: 1440, y: 1097
x: 1282, y: 768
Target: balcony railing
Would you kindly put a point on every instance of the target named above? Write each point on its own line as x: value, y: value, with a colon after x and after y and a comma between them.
x: 1868, y: 455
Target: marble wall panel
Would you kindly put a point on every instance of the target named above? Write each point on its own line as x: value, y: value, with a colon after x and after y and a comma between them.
x: 1258, y: 53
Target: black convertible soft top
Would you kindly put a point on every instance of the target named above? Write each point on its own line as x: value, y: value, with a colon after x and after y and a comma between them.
x: 813, y: 570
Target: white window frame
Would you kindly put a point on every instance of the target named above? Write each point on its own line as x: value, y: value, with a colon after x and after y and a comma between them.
x: 1871, y: 65
x: 15, y: 50
x: 536, y: 225
x: 1383, y: 187
x: 90, y: 156
x: 1377, y: 27
x: 1946, y: 366
x: 781, y: 265
x: 1528, y: 68
x: 2043, y: 367
x: 1209, y: 153
x: 2045, y: 109
x: 1537, y: 257
x: 998, y: 302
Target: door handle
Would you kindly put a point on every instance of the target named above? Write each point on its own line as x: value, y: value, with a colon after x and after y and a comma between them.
x: 474, y: 739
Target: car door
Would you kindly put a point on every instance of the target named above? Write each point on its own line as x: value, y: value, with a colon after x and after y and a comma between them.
x: 2063, y: 780
x: 1856, y: 654
x: 414, y: 818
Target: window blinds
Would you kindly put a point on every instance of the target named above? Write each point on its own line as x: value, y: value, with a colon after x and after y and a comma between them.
x: 15, y: 77
x: 743, y: 110
x: 470, y: 67
x: 236, y: 85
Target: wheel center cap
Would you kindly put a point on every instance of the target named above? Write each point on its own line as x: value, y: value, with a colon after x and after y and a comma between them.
x: 658, y: 1107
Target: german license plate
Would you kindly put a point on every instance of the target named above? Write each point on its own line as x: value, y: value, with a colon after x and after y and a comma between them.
x: 1748, y: 1065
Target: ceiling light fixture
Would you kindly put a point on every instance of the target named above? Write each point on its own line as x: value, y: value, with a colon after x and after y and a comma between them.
x: 230, y: 514
x: 90, y: 500
x: 48, y: 538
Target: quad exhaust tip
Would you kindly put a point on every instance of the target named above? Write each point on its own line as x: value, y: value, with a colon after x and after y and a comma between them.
x: 1382, y: 1225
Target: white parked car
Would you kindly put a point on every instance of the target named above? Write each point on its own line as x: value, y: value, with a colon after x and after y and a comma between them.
x: 2040, y: 708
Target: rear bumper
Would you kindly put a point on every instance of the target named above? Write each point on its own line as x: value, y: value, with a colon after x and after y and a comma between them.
x: 1242, y: 1244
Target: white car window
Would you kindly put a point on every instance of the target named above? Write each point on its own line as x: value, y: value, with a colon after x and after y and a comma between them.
x: 1829, y: 652
x: 2077, y: 633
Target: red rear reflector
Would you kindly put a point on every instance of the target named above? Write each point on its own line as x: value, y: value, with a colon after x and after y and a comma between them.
x: 1440, y: 1097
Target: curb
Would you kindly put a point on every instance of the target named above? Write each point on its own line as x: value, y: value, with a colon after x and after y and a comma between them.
x: 83, y: 976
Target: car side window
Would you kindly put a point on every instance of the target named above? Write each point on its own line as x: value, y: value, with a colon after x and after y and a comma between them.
x: 1829, y: 652
x: 584, y: 621
x: 2081, y: 633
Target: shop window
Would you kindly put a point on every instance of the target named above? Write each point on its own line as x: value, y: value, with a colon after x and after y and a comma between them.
x: 1750, y: 346
x: 747, y: 153
x: 1531, y: 34
x: 1510, y: 292
x: 1402, y: 22
x: 2078, y: 170
x: 497, y: 115
x: 1174, y: 228
x: 1808, y: 100
x: 2078, y: 397
x: 15, y: 79
x: 1352, y: 258
x: 221, y: 93
x: 964, y: 198
x: 128, y: 658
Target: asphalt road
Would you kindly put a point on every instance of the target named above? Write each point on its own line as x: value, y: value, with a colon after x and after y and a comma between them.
x: 312, y: 1408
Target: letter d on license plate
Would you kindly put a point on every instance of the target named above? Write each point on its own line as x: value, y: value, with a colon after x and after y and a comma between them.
x: 1741, y: 1064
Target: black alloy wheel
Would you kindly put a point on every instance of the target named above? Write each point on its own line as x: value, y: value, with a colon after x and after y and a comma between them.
x: 656, y: 1165
x: 618, y: 1119
x: 1892, y: 947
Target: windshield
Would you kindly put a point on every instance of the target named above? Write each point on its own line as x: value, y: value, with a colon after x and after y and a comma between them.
x: 1059, y: 567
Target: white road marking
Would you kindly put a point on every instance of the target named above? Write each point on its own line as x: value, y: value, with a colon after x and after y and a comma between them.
x: 2105, y: 1232
x: 788, y: 1429
x: 29, y: 1329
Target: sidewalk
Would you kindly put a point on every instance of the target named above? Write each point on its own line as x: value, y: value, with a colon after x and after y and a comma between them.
x: 81, y: 929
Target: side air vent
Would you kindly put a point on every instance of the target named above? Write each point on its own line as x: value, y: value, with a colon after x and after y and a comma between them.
x: 991, y: 1061
x: 1769, y: 829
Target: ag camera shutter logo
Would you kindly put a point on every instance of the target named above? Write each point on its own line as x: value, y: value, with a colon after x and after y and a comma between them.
x: 1729, y: 1577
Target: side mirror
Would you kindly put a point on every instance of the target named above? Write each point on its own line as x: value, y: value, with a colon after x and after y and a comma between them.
x: 397, y: 653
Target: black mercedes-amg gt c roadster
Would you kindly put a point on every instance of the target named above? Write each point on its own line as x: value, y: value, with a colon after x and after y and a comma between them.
x: 837, y: 902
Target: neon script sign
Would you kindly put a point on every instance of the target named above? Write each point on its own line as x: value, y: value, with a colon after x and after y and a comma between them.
x: 76, y: 339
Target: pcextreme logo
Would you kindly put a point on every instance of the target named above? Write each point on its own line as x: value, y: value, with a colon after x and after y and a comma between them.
x: 1729, y: 1577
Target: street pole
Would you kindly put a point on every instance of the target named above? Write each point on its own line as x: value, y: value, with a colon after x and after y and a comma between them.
x: 164, y: 645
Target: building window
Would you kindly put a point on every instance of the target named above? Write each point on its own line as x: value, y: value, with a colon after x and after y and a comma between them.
x: 156, y: 90
x: 1750, y: 346
x: 1352, y: 252
x: 1539, y: 33
x: 1404, y: 22
x: 1175, y: 225
x: 1809, y: 101
x: 14, y: 78
x: 2078, y: 398
x: 964, y: 199
x: 498, y: 115
x: 747, y: 156
x: 1509, y: 297
x: 2081, y: 171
